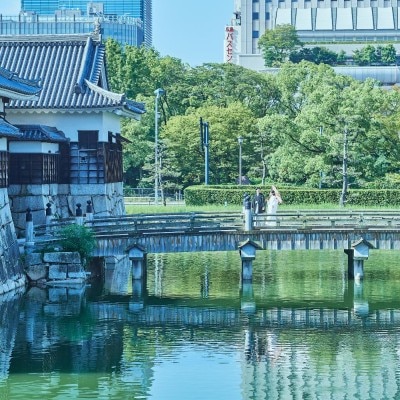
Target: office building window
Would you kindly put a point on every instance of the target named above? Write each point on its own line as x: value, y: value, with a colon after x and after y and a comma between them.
x: 256, y: 34
x: 267, y: 16
x: 256, y: 15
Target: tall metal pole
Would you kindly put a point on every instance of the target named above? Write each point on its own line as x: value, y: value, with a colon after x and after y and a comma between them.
x: 158, y: 93
x: 206, y: 161
x: 204, y: 142
x: 320, y: 172
x: 343, y: 195
x: 240, y: 140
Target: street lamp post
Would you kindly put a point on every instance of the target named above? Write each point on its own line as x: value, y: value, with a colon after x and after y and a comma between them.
x: 240, y: 141
x: 158, y: 93
x: 321, y: 175
x: 204, y: 141
x: 343, y: 195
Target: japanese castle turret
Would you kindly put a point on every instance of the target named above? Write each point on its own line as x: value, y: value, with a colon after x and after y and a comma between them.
x: 69, y: 150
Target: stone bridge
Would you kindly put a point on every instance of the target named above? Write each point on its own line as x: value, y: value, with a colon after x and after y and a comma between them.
x: 188, y: 232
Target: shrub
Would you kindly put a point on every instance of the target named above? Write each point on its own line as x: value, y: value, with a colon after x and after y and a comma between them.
x: 78, y: 238
x: 208, y: 195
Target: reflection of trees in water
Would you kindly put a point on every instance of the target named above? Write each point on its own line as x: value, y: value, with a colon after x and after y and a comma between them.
x: 357, y: 363
x: 291, y: 343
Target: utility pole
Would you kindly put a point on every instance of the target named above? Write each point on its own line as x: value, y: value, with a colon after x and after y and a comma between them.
x: 204, y: 143
x: 158, y: 92
x: 342, y: 201
x: 240, y: 141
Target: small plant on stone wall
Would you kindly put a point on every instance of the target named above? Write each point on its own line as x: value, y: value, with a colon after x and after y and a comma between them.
x: 78, y: 238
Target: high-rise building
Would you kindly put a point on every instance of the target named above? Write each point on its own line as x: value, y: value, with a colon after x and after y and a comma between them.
x: 336, y: 24
x: 108, y: 8
x: 125, y: 30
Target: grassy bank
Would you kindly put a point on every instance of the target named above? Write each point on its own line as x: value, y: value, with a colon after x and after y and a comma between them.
x: 174, y: 208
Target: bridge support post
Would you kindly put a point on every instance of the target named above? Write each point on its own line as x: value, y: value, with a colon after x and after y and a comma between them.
x: 248, y: 220
x: 137, y: 256
x: 247, y: 251
x: 356, y: 255
x: 117, y: 271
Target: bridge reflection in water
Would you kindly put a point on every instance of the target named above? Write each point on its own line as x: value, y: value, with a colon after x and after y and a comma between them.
x: 353, y: 312
x: 300, y: 330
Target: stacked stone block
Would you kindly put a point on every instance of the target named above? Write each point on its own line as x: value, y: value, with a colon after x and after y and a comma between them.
x: 53, y: 268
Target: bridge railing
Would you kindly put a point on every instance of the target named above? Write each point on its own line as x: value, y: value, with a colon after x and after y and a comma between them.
x: 333, y: 219
x: 180, y: 222
x: 148, y: 224
x: 151, y: 223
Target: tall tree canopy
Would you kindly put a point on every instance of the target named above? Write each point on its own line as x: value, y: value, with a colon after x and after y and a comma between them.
x: 278, y: 44
x: 317, y: 107
x: 293, y: 123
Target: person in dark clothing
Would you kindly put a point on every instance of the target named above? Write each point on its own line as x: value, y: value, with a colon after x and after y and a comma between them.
x: 258, y: 202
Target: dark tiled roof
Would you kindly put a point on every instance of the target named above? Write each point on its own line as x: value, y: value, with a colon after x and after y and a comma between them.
x: 70, y: 67
x: 20, y: 88
x: 8, y: 130
x: 41, y: 133
x: 110, y: 99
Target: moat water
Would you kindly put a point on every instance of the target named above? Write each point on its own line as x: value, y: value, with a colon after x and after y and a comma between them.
x: 193, y: 330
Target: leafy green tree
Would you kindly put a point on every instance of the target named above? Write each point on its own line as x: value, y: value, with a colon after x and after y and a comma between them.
x: 315, y: 54
x: 278, y: 44
x: 187, y: 89
x: 366, y: 56
x: 317, y: 107
x: 381, y: 55
x: 341, y: 58
x: 223, y: 84
x: 115, y: 63
x: 181, y: 138
x: 293, y: 123
x: 388, y: 54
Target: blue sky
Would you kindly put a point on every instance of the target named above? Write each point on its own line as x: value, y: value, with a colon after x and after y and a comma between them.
x: 192, y: 30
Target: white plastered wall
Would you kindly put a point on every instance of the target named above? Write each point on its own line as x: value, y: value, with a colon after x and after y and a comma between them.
x: 95, y: 121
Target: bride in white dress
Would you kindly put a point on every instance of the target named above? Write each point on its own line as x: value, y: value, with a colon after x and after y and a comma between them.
x: 273, y: 201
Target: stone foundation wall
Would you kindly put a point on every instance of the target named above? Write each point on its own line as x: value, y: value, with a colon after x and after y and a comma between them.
x: 11, y: 269
x: 107, y: 200
x: 55, y: 268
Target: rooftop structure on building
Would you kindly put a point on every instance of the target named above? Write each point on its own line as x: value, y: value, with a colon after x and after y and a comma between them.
x: 128, y: 22
x: 60, y: 130
x: 83, y: 87
x: 335, y: 24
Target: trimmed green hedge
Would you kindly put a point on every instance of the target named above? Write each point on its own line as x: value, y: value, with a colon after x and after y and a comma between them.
x: 206, y: 195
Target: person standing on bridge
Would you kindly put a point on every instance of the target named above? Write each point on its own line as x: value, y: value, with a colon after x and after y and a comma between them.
x: 274, y: 200
x: 258, y: 204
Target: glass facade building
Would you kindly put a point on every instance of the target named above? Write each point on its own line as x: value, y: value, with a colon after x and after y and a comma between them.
x: 110, y: 9
x: 124, y: 30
